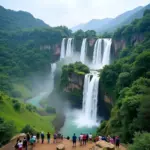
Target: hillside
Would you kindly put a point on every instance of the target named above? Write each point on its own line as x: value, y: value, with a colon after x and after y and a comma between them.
x: 93, y: 24
x: 103, y: 25
x: 127, y: 82
x: 15, y: 20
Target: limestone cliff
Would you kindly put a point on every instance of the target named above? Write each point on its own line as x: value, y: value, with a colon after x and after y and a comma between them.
x: 119, y: 44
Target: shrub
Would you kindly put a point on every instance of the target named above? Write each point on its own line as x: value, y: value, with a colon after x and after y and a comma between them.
x: 7, y: 130
x: 31, y: 108
x: 141, y: 142
x: 17, y: 106
x: 50, y: 110
x: 28, y: 129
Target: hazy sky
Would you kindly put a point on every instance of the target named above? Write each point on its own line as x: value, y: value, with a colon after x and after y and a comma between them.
x: 72, y: 12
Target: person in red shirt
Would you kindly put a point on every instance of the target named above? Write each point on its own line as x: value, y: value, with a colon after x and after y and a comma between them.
x: 84, y: 139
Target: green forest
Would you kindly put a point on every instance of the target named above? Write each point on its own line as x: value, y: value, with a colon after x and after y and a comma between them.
x: 28, y: 47
x: 127, y: 81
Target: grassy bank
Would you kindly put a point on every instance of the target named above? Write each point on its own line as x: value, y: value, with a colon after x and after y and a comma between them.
x: 24, y: 116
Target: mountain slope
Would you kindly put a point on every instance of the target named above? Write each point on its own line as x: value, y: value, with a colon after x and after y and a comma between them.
x: 92, y: 24
x: 109, y: 24
x: 119, y: 20
x: 13, y: 20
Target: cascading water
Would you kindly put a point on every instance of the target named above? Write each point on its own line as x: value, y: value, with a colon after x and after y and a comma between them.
x: 62, y: 54
x: 97, y: 54
x: 69, y: 50
x: 83, y: 51
x: 106, y: 55
x: 53, y: 68
x: 90, y: 98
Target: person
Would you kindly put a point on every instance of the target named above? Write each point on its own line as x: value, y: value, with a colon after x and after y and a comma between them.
x: 90, y: 137
x: 25, y: 145
x: 38, y: 137
x: 111, y: 140
x: 34, y: 137
x: 117, y: 142
x: 48, y: 137
x: 84, y: 139
x: 20, y: 144
x: 74, y: 140
x: 55, y: 138
x: 100, y: 137
x: 81, y: 139
x: 16, y: 145
x: 87, y: 137
x: 68, y: 138
x: 28, y: 137
x: 42, y: 137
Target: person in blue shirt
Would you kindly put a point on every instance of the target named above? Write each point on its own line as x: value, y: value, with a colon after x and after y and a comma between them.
x: 74, y: 140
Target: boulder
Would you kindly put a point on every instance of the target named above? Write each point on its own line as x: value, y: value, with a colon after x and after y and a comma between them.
x: 18, y: 136
x: 60, y: 147
x: 105, y: 145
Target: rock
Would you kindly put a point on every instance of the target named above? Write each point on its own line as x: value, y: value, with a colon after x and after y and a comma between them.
x: 60, y: 147
x: 105, y: 145
x: 18, y: 135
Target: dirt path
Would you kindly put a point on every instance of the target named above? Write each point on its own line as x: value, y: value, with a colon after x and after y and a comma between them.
x: 68, y: 146
x: 46, y: 146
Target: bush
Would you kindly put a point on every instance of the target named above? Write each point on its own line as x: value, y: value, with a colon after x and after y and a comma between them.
x: 7, y: 130
x: 17, y: 106
x: 28, y: 129
x: 31, y: 108
x: 141, y: 142
x: 50, y: 110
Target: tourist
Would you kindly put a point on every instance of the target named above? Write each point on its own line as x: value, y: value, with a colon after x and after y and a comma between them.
x: 68, y: 138
x: 34, y: 137
x: 84, y: 139
x: 25, y: 145
x: 38, y: 137
x: 81, y: 139
x: 20, y: 145
x: 111, y: 140
x: 28, y: 137
x: 16, y: 145
x: 42, y: 137
x: 87, y: 137
x: 117, y: 142
x: 114, y: 138
x: 55, y: 138
x: 48, y: 137
x: 108, y: 138
x: 74, y: 140
x: 90, y: 137
x: 100, y: 138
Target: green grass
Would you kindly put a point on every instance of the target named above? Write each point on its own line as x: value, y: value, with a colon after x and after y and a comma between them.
x: 39, y: 123
x: 25, y: 92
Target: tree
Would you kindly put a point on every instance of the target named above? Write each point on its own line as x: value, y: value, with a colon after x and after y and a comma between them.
x: 141, y: 142
x: 7, y: 130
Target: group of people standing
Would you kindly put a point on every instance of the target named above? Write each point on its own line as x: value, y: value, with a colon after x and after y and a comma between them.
x: 113, y: 140
x: 83, y: 139
x: 31, y: 139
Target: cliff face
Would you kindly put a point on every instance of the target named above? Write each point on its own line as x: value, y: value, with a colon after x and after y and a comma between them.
x: 119, y: 44
x: 76, y: 82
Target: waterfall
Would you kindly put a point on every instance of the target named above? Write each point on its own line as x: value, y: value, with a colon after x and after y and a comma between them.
x: 90, y: 96
x: 53, y: 68
x: 106, y: 55
x: 69, y: 50
x: 62, y: 54
x: 97, y: 54
x: 83, y: 51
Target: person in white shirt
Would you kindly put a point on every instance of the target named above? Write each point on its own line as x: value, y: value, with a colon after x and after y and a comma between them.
x: 20, y: 145
x: 90, y: 137
x: 81, y: 138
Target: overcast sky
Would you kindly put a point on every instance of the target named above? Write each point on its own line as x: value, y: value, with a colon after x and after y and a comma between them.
x: 72, y: 12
